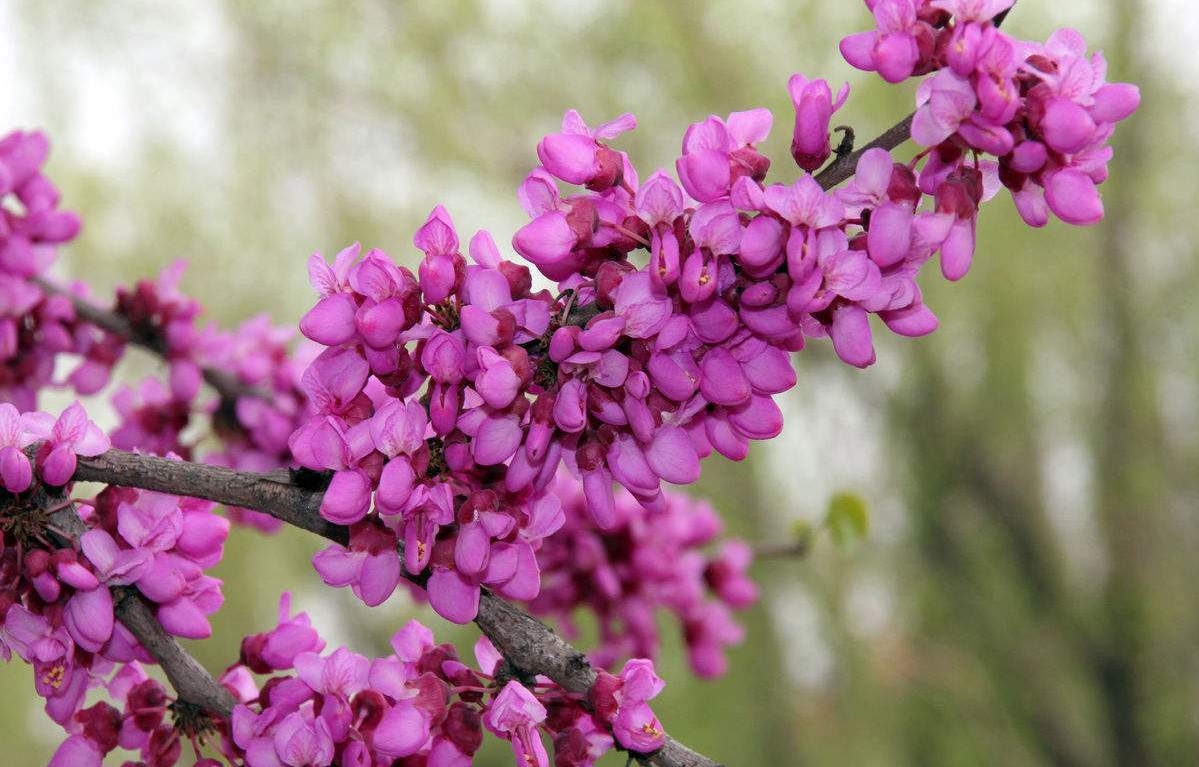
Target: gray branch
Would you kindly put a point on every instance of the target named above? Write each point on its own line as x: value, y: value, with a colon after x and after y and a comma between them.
x: 192, y: 682
x: 225, y: 383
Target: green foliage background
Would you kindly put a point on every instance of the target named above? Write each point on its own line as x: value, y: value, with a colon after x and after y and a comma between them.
x: 1027, y: 593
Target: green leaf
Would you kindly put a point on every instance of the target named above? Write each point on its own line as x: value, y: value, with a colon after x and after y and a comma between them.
x: 847, y: 519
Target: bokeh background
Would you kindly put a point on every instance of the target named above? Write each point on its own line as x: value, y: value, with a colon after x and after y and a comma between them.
x: 1028, y: 593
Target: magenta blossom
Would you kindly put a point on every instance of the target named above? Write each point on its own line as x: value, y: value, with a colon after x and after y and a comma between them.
x: 897, y: 45
x: 370, y: 566
x: 66, y: 437
x: 814, y: 107
x: 515, y: 714
x: 577, y: 156
x: 717, y: 152
x: 15, y: 471
x: 623, y: 702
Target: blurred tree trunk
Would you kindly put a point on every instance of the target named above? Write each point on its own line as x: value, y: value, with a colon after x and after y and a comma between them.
x: 1077, y: 677
x: 1149, y: 701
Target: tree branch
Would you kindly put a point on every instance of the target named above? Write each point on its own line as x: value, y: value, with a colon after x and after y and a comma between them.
x: 526, y: 643
x: 192, y: 682
x: 225, y: 383
x: 843, y: 167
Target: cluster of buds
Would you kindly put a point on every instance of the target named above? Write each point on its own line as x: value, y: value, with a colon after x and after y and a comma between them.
x: 260, y: 400
x: 1043, y: 110
x: 57, y: 587
x: 35, y: 328
x: 436, y: 467
x: 421, y: 705
x: 648, y: 562
x: 39, y: 328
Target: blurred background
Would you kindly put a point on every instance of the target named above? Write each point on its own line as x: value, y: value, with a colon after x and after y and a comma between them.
x: 1028, y: 593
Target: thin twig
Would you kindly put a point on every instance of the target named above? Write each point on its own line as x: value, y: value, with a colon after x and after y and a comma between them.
x: 191, y: 681
x: 225, y: 383
x: 843, y: 167
x: 789, y: 550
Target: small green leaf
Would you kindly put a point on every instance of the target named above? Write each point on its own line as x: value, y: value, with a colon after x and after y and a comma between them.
x: 848, y: 518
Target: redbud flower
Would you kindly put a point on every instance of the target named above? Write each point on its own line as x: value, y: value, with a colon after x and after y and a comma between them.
x: 622, y: 701
x: 77, y: 751
x: 814, y: 107
x: 515, y: 714
x: 331, y: 321
x: 576, y: 155
x: 440, y: 269
x: 895, y: 48
x: 15, y: 471
x: 944, y: 102
x: 66, y: 437
x: 716, y: 153
x: 89, y: 618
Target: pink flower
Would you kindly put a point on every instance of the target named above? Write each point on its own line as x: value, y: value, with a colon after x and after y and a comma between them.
x: 943, y: 104
x: 895, y: 47
x: 348, y: 497
x: 77, y: 751
x: 300, y: 742
x: 403, y: 731
x: 577, y: 156
x: 804, y: 203
x: 15, y: 471
x: 497, y: 382
x: 717, y: 152
x: 66, y: 437
x: 622, y: 701
x: 814, y: 107
x: 331, y: 321
x: 89, y: 618
x: 548, y: 242
x: 371, y: 565
x: 515, y: 714
x: 1073, y: 197
x: 659, y: 200
x: 440, y: 270
x: 643, y: 305
x: 113, y: 565
x: 278, y: 648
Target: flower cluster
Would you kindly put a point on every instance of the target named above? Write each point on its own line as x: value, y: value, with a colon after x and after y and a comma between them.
x: 437, y: 466
x: 35, y: 327
x: 57, y: 609
x: 646, y: 562
x: 1044, y: 110
x: 162, y: 544
x: 260, y: 400
x: 478, y: 430
x: 421, y: 703
x: 39, y: 326
x: 61, y: 440
x: 254, y: 427
x: 133, y: 717
x: 453, y: 396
